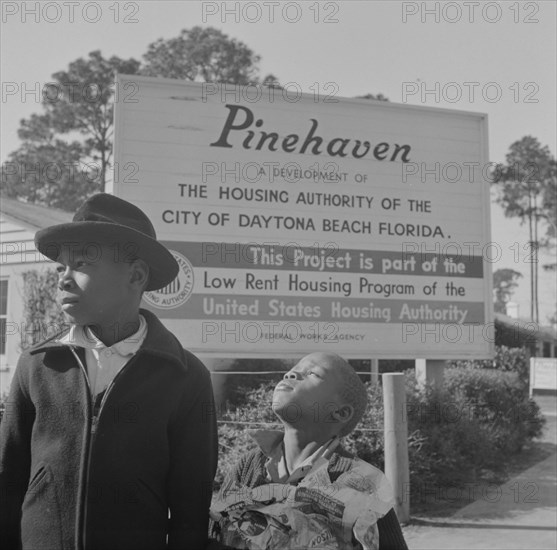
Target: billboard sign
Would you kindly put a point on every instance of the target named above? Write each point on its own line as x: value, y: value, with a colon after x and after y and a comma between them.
x: 305, y: 222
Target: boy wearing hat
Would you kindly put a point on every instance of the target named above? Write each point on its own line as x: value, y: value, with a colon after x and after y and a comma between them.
x: 105, y: 442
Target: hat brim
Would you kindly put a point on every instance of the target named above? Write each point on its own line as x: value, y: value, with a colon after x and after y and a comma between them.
x: 125, y: 243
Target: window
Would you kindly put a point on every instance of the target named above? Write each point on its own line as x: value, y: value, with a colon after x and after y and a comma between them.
x: 3, y: 312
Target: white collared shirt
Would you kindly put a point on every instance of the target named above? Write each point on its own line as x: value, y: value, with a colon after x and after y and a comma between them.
x: 104, y: 363
x: 271, y: 443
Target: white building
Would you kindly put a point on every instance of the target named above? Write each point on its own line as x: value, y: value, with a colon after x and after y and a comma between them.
x: 19, y: 222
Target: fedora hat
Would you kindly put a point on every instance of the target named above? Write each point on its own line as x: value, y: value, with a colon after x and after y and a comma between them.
x: 106, y: 219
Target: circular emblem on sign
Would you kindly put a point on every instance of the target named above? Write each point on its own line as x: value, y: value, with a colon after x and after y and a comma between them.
x: 178, y: 291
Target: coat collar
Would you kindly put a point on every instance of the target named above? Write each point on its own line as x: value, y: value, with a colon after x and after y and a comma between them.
x: 159, y: 341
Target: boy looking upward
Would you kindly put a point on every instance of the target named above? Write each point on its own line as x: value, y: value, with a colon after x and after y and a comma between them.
x: 320, y: 400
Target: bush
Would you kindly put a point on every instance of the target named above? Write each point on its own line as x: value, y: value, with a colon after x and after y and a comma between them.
x: 234, y: 440
x: 496, y: 399
x: 507, y: 360
x: 473, y: 424
x: 43, y: 316
x: 448, y: 446
x: 368, y: 445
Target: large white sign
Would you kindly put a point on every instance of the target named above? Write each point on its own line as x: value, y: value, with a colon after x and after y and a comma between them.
x: 305, y: 222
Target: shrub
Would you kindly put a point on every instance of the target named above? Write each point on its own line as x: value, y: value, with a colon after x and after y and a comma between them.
x: 475, y: 422
x: 43, y: 316
x: 366, y: 444
x: 496, y: 399
x: 449, y: 445
x: 236, y: 420
x: 513, y: 360
x: 507, y: 360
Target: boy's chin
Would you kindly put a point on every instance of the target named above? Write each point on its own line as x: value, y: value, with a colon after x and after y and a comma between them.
x: 70, y: 318
x: 74, y: 318
x: 287, y: 410
x: 280, y: 407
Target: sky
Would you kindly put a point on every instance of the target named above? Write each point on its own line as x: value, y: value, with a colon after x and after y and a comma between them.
x: 497, y: 58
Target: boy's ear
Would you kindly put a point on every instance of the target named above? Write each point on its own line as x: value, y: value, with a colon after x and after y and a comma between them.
x: 139, y: 273
x: 343, y: 413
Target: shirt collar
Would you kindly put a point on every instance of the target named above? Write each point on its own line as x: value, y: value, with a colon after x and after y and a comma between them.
x: 270, y: 443
x: 83, y: 337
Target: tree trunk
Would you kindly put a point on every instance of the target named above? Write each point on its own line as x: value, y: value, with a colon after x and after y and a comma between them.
x: 103, y: 169
x: 530, y: 231
x: 535, y: 259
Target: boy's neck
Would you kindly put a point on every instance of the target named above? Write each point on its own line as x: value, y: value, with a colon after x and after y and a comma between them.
x: 299, y: 445
x: 116, y: 331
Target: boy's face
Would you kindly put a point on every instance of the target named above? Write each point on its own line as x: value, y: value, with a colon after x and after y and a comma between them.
x: 93, y: 288
x: 311, y: 385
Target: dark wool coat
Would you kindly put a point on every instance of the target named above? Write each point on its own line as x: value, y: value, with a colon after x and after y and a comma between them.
x: 250, y: 472
x: 89, y: 476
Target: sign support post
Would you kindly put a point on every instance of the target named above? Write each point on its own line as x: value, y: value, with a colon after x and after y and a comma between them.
x: 430, y: 372
x: 396, y: 442
x: 374, y: 369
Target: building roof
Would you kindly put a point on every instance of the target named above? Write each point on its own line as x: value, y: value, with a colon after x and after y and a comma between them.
x: 34, y: 216
x: 543, y: 332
